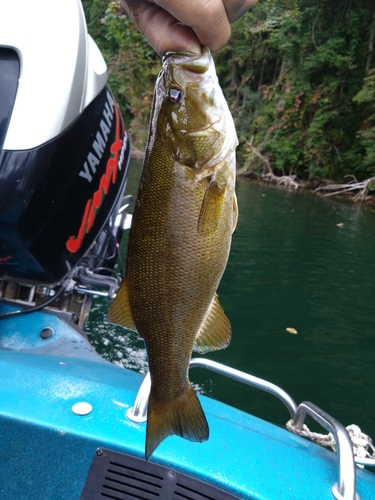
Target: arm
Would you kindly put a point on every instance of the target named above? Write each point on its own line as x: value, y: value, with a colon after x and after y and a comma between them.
x: 186, y: 24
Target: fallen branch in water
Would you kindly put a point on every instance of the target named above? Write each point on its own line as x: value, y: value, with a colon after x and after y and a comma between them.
x: 284, y: 180
x: 362, y: 187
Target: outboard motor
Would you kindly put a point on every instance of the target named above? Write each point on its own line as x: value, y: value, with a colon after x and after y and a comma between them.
x: 64, y: 156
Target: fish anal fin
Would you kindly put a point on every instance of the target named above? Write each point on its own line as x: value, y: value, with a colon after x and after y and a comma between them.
x: 119, y: 312
x: 182, y: 416
x: 215, y: 332
x: 211, y: 206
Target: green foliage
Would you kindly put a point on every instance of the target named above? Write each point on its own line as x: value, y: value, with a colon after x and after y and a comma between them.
x: 132, y: 71
x: 366, y: 98
x: 295, y: 74
x: 367, y: 93
x: 290, y: 73
x: 95, y: 24
x: 86, y: 4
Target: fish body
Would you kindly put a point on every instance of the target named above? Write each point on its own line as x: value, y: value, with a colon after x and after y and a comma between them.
x: 179, y: 242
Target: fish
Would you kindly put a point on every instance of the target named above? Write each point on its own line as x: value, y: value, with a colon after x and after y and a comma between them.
x: 179, y: 241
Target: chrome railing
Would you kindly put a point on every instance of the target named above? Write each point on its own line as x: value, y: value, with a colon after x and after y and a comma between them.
x: 138, y: 412
x: 344, y: 489
x: 247, y: 379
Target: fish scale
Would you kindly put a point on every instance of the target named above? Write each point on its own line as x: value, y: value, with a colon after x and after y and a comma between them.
x: 180, y: 238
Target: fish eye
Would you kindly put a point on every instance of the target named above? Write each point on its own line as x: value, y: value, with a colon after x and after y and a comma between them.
x: 175, y: 95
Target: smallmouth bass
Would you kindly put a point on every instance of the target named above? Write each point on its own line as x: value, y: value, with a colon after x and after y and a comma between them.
x: 179, y: 241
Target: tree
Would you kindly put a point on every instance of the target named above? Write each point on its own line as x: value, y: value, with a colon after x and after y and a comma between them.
x: 366, y: 98
x: 294, y: 68
x: 296, y: 74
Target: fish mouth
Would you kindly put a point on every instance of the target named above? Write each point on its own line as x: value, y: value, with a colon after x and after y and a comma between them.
x: 190, y: 61
x: 186, y: 53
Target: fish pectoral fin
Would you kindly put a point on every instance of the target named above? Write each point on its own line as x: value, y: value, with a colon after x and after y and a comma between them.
x: 215, y: 332
x: 211, y: 206
x: 182, y: 416
x: 119, y: 312
x: 235, y: 212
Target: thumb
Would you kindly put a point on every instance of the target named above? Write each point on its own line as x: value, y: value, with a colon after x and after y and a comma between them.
x: 161, y: 29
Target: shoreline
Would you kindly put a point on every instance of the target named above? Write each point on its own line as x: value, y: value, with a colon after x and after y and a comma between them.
x: 354, y: 192
x: 348, y: 192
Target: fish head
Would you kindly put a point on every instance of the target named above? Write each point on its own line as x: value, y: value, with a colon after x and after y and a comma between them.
x: 191, y: 111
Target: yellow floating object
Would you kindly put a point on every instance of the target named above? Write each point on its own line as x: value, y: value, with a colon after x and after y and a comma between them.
x: 292, y: 330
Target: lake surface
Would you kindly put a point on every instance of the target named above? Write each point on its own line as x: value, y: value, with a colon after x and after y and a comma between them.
x: 297, y: 261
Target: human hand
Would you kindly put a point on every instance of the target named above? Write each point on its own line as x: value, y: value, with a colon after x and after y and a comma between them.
x: 186, y: 24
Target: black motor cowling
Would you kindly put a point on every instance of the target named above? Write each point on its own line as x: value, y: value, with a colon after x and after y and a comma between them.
x: 64, y: 152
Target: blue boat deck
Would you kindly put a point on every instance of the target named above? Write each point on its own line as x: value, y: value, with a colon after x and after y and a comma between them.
x: 47, y: 449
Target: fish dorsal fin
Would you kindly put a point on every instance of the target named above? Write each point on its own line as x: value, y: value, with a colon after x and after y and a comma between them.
x: 211, y: 207
x: 215, y: 332
x: 120, y: 312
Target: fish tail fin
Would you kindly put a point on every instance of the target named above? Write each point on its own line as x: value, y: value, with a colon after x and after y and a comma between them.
x: 182, y: 416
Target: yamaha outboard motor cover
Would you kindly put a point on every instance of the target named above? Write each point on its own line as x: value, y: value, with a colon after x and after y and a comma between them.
x: 64, y: 152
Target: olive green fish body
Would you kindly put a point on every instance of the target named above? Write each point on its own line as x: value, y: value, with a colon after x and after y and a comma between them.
x: 180, y: 239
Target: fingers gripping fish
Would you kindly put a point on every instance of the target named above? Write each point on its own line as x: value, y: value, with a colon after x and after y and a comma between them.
x: 179, y: 242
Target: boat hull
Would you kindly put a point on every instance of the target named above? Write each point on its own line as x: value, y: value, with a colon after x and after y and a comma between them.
x: 47, y: 449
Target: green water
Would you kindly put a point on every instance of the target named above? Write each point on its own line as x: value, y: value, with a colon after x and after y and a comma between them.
x: 291, y: 266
